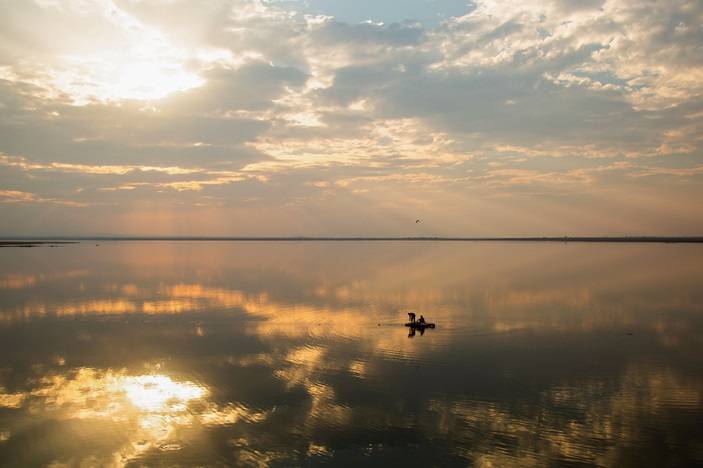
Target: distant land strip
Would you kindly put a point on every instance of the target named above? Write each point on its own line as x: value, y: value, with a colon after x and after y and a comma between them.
x: 32, y: 241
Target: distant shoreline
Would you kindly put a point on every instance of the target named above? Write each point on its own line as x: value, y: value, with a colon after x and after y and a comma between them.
x: 35, y: 241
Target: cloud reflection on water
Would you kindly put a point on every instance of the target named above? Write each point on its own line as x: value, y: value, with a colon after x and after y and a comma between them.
x: 152, y: 410
x: 264, y: 355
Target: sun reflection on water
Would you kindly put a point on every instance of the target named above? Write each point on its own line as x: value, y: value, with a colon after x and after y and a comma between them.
x: 159, y: 393
x: 155, y: 410
x: 291, y: 366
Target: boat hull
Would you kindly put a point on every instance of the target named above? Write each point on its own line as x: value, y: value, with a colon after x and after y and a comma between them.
x: 419, y: 325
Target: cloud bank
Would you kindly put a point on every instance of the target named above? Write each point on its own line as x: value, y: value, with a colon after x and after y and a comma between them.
x: 169, y: 117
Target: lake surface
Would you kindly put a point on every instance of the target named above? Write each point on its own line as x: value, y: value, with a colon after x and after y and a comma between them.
x: 295, y: 353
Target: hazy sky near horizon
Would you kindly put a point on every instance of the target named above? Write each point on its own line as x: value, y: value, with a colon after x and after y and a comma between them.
x: 332, y: 117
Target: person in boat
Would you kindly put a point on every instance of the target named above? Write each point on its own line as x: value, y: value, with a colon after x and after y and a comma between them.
x: 422, y: 319
x: 411, y: 317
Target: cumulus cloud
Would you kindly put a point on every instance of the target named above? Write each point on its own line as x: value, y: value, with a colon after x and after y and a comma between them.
x: 263, y: 112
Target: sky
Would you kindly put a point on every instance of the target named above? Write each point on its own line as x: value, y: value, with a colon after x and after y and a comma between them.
x: 351, y: 118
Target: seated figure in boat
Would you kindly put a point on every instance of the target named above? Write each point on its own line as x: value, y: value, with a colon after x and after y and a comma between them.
x: 422, y: 319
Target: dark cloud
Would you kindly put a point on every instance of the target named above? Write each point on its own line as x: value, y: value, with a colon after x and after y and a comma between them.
x: 250, y: 87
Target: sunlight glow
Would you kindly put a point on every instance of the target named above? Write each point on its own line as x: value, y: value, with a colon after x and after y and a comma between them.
x: 146, y: 65
x: 159, y: 393
x: 114, y: 77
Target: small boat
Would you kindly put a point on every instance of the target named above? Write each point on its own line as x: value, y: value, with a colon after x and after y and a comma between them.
x: 420, y: 325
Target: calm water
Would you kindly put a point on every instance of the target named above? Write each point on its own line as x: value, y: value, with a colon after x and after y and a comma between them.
x: 283, y: 354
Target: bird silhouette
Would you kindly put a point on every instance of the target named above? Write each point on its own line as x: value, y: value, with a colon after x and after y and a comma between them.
x: 417, y: 221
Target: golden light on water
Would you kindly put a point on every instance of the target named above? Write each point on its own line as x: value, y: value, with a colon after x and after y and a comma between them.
x: 160, y: 393
x: 90, y: 393
x: 335, y: 333
x: 155, y: 407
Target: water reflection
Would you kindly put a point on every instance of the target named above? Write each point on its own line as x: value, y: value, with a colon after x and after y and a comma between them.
x: 146, y: 412
x: 287, y: 354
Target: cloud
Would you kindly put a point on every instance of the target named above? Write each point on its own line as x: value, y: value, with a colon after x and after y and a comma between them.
x: 88, y: 169
x: 17, y: 196
x: 245, y: 101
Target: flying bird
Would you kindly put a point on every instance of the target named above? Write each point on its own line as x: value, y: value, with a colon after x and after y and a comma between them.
x: 417, y: 221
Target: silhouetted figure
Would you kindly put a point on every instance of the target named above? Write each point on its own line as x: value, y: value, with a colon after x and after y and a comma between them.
x: 422, y: 319
x: 411, y: 317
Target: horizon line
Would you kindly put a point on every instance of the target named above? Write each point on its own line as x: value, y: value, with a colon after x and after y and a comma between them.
x: 639, y: 238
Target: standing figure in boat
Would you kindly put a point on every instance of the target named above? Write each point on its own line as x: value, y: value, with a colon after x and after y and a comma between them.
x: 418, y: 324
